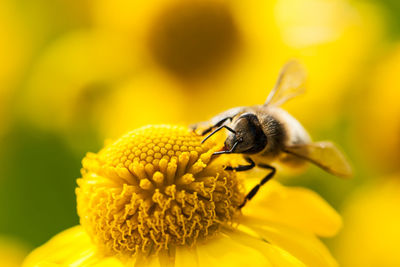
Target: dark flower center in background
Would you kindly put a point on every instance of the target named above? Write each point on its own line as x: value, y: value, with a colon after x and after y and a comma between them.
x: 193, y: 39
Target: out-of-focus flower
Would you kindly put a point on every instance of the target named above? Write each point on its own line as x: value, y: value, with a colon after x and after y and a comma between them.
x: 379, y: 121
x: 193, y: 41
x: 13, y: 55
x: 157, y: 197
x: 83, y: 81
x: 11, y: 45
x: 196, y: 50
x: 142, y: 100
x: 236, y: 61
x: 372, y: 218
x: 71, y: 80
x: 335, y: 40
x: 12, y: 252
x: 217, y: 54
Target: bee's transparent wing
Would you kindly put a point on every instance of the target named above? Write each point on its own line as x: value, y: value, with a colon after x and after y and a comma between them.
x: 325, y: 155
x: 218, y: 120
x: 290, y: 83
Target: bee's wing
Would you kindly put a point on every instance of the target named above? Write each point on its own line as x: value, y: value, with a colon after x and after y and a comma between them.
x: 290, y: 83
x: 325, y: 155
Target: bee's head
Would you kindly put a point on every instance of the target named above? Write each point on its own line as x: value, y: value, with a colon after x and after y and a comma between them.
x: 248, y: 138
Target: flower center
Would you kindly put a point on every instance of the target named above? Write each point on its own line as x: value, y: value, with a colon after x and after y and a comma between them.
x: 191, y: 39
x: 155, y: 187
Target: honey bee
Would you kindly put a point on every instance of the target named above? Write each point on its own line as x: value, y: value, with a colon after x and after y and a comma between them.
x: 265, y: 134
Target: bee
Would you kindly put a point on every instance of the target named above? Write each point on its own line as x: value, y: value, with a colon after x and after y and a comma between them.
x: 266, y: 134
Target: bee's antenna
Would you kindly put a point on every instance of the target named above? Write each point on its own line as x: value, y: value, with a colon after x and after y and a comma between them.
x: 227, y: 151
x: 216, y: 130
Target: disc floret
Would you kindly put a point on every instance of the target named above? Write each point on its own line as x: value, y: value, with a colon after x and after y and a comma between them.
x: 154, y: 188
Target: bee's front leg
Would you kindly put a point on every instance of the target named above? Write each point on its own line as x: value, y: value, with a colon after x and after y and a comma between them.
x: 199, y: 126
x: 194, y: 127
x: 209, y: 127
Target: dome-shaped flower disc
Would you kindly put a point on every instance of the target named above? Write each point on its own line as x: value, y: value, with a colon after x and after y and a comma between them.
x: 156, y: 186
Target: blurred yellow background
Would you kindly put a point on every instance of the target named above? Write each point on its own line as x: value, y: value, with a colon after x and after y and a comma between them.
x: 75, y: 73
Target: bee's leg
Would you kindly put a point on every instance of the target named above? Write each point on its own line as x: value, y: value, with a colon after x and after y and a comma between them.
x: 216, y: 131
x: 241, y: 168
x: 255, y: 189
x: 193, y: 127
x: 218, y: 124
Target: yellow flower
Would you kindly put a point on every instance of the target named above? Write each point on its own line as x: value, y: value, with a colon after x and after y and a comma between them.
x: 333, y: 39
x: 157, y: 197
x: 214, y: 53
x: 80, y: 85
x: 14, y: 53
x: 379, y: 119
x: 237, y: 59
x: 12, y: 252
x: 72, y: 79
x: 371, y: 236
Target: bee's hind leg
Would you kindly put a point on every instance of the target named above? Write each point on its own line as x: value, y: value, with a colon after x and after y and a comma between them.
x: 255, y: 189
x: 241, y: 168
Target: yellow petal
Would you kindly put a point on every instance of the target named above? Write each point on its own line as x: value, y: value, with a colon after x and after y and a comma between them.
x: 12, y: 251
x: 304, y: 246
x: 71, y: 247
x: 226, y: 252
x: 186, y: 257
x: 275, y: 255
x: 372, y: 218
x: 294, y: 206
x: 234, y: 248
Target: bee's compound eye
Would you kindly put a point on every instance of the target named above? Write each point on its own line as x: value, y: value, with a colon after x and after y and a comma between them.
x: 251, y: 137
